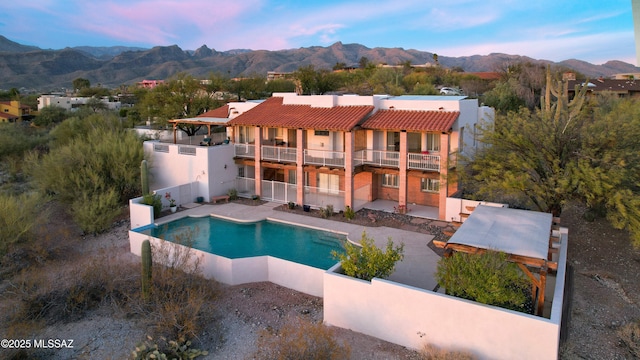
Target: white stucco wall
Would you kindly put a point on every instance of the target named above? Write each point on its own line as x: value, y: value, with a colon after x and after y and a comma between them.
x: 211, y: 167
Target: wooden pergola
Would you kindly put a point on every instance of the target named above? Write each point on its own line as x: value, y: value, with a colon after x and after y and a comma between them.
x: 525, y: 236
x: 209, y: 122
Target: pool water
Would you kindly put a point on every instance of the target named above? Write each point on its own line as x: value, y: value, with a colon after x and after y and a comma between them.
x: 240, y: 240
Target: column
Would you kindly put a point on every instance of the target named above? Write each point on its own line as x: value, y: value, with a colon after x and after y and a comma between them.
x: 444, y: 169
x: 402, y: 173
x: 300, y: 166
x: 257, y: 159
x: 349, y: 148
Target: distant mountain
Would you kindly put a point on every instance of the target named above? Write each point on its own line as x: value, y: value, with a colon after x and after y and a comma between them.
x: 47, y: 70
x: 106, y: 52
x: 7, y: 45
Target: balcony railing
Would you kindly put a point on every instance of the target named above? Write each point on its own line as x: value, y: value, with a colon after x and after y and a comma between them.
x: 279, y: 153
x: 244, y: 150
x: 423, y: 162
x: 324, y: 158
x: 377, y: 158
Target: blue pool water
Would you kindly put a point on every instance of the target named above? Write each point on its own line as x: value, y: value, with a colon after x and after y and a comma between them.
x: 239, y: 240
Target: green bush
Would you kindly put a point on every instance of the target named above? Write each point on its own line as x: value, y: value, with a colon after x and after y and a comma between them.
x: 368, y: 261
x: 172, y: 349
x: 349, y: 213
x: 232, y: 194
x: 94, y: 213
x: 487, y: 278
x: 326, y: 212
x: 155, y: 201
x: 18, y: 217
x: 15, y: 140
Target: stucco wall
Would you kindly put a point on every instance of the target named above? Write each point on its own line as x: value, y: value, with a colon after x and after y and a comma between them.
x: 412, y: 317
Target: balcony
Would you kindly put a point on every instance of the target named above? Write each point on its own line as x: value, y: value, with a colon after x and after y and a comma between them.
x: 244, y: 150
x: 279, y: 153
x: 423, y: 162
x: 324, y: 158
x: 377, y: 158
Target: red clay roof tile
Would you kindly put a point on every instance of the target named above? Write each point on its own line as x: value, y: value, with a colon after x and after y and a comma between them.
x: 273, y: 113
x: 221, y: 112
x: 411, y: 120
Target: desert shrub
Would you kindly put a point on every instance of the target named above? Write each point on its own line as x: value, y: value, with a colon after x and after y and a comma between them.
x: 349, y: 213
x: 15, y: 139
x: 630, y: 336
x: 94, y: 213
x: 326, y: 212
x: 99, y: 160
x: 155, y: 201
x: 163, y: 349
x: 18, y: 218
x: 232, y: 194
x: 181, y: 299
x: 368, y: 261
x: 302, y: 340
x: 430, y: 352
x: 487, y: 278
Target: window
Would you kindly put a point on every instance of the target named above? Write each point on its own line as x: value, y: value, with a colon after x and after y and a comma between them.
x: 390, y: 180
x: 241, y: 171
x: 393, y: 141
x: 429, y: 185
x: 433, y: 142
x: 246, y: 134
x: 414, y: 142
x: 328, y: 183
x: 292, y: 177
x: 461, y: 139
x: 321, y: 132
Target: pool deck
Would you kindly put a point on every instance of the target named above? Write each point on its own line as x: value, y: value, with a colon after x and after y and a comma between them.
x: 417, y: 269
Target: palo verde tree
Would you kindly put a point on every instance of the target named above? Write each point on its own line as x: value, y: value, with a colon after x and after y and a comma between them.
x: 566, y: 150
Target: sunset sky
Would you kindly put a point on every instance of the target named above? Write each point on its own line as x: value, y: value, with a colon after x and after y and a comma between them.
x: 590, y: 30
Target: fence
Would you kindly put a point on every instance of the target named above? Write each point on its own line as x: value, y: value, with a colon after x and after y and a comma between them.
x: 320, y: 197
x: 278, y: 191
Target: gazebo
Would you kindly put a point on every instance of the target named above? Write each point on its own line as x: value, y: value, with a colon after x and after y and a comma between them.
x: 525, y: 236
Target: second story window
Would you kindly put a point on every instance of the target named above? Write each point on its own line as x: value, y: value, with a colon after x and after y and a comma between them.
x: 433, y: 142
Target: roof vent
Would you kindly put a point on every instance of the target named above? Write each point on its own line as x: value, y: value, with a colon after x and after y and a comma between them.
x: 441, y: 108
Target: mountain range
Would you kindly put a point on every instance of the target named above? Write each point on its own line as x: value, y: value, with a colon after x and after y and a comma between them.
x: 30, y: 67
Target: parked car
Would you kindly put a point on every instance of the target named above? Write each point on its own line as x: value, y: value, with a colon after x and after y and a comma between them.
x: 450, y: 91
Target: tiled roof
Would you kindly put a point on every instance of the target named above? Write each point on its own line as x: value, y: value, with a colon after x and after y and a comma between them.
x: 273, y: 113
x: 607, y: 85
x: 411, y: 120
x: 221, y: 112
x: 8, y: 116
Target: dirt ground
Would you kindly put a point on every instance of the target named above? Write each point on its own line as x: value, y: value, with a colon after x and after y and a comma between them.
x: 605, y: 296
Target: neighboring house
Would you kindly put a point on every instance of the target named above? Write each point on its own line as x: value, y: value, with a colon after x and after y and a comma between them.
x: 71, y: 103
x: 149, y: 84
x: 349, y: 150
x: 620, y: 87
x: 12, y: 111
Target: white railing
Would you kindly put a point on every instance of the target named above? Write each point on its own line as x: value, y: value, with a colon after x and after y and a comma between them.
x: 319, y: 197
x: 246, y: 187
x: 278, y: 191
x: 244, y: 150
x: 377, y: 158
x: 279, y: 153
x: 423, y: 162
x: 324, y: 158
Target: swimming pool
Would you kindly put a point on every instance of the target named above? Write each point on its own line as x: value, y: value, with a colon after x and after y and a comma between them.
x: 235, y: 240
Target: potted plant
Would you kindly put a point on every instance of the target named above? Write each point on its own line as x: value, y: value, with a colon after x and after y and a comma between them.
x: 172, y: 202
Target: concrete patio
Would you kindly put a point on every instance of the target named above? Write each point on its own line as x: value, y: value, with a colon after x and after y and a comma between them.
x: 428, y: 212
x: 416, y: 269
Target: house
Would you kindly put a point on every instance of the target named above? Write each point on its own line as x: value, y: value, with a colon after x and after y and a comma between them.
x: 12, y: 111
x: 622, y: 87
x: 348, y: 150
x: 73, y: 102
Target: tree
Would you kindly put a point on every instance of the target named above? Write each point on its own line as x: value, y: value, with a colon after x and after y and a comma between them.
x: 566, y: 150
x: 316, y: 82
x: 50, y: 115
x: 81, y: 83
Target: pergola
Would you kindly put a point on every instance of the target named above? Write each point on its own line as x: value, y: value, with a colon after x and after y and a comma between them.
x: 525, y: 236
x: 198, y: 121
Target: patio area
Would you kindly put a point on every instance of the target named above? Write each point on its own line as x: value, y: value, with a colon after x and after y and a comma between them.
x: 428, y: 212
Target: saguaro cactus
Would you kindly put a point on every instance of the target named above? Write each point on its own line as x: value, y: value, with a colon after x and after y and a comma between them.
x: 146, y: 270
x: 144, y: 175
